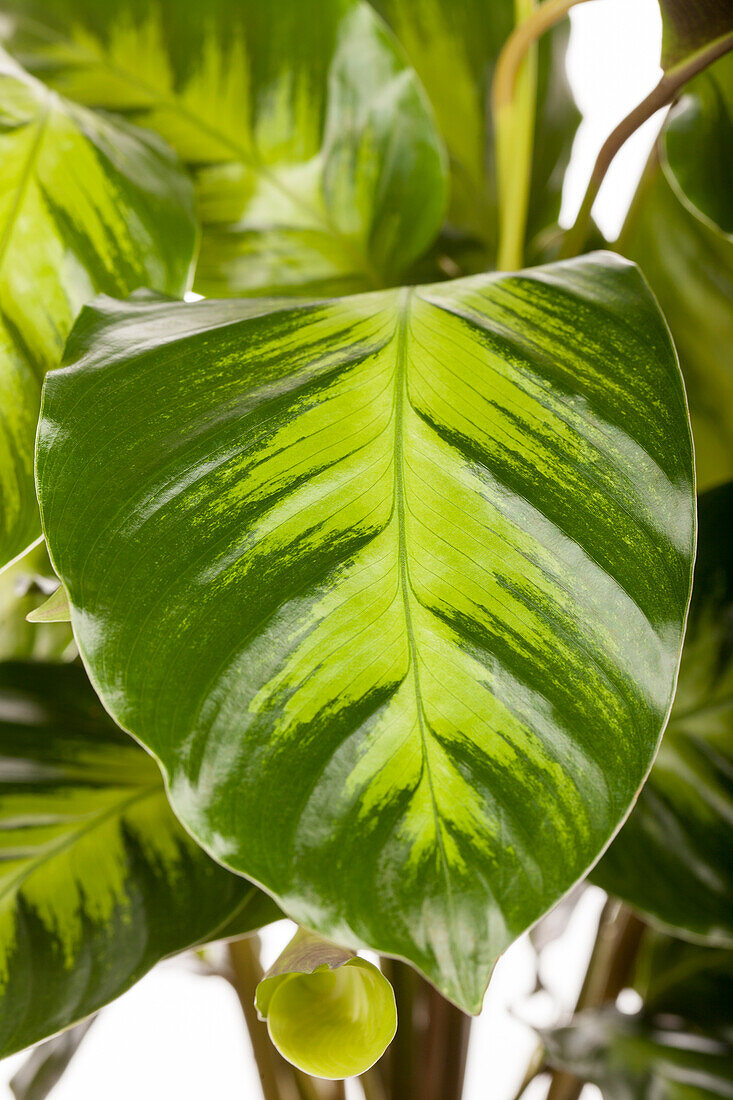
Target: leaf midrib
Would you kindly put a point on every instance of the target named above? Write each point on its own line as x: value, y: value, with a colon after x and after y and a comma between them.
x: 401, y: 399
x: 246, y: 157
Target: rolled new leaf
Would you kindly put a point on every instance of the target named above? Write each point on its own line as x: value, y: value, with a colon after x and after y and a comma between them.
x: 328, y: 1012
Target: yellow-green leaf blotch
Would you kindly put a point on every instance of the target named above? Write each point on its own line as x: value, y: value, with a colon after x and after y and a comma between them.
x: 328, y: 1012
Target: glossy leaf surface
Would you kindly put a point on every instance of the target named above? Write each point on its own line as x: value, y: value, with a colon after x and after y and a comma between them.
x: 318, y: 169
x: 329, y: 1012
x: 673, y: 859
x: 630, y: 1058
x: 99, y: 881
x: 698, y: 143
x: 690, y: 269
x: 454, y: 47
x: 86, y: 205
x: 393, y: 585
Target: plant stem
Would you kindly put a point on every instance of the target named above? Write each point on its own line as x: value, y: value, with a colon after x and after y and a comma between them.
x: 443, y: 1059
x: 427, y: 1059
x: 518, y: 44
x: 514, y: 107
x: 372, y: 1085
x: 611, y: 966
x: 398, y: 1066
x: 279, y: 1080
x: 246, y: 973
x: 659, y: 97
x: 535, y: 1069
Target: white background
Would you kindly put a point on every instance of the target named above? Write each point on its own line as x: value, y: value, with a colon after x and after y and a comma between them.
x: 178, y: 1034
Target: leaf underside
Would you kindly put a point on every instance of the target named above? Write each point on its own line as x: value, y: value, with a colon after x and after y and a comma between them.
x: 392, y: 586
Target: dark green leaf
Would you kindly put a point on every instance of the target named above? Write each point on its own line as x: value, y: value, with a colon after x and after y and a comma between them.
x: 688, y: 26
x: 685, y: 980
x: 674, y: 857
x: 47, y: 1063
x: 393, y: 586
x: 317, y: 165
x: 698, y: 143
x: 98, y: 880
x: 86, y: 205
x: 631, y: 1058
x: 454, y: 47
x: 690, y: 269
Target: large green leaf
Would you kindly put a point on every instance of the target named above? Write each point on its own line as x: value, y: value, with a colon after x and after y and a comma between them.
x: 631, y: 1058
x: 698, y: 144
x: 674, y: 857
x: 86, y: 205
x: 454, y: 47
x: 690, y: 269
x: 98, y: 879
x: 393, y: 586
x: 317, y: 165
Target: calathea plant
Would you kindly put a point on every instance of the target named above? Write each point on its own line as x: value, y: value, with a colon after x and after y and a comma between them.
x: 369, y: 573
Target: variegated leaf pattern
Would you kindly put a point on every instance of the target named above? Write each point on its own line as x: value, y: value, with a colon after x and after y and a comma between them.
x: 317, y: 164
x: 86, y: 205
x: 392, y: 585
x: 674, y: 857
x: 98, y: 881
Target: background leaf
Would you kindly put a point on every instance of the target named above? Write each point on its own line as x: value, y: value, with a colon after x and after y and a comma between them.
x: 47, y: 1063
x: 317, y: 166
x: 698, y: 146
x: 454, y: 47
x: 85, y: 205
x: 682, y: 979
x: 690, y: 25
x: 630, y: 1058
x: 676, y: 1047
x: 689, y: 267
x: 673, y: 859
x: 392, y: 585
x: 98, y: 880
